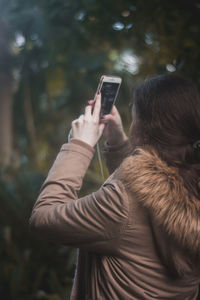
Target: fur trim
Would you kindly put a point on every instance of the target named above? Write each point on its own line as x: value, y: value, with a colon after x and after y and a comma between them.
x: 161, y: 190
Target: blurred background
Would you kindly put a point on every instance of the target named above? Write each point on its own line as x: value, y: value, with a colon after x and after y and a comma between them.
x: 52, y: 55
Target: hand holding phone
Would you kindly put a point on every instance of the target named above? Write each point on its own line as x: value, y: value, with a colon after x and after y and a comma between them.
x: 109, y: 88
x: 113, y: 132
x: 87, y: 127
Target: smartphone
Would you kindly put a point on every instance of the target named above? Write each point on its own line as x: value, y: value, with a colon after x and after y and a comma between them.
x: 109, y: 88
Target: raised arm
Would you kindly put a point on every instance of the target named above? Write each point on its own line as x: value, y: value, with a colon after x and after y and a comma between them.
x: 115, y: 154
x: 117, y: 145
x: 91, y: 222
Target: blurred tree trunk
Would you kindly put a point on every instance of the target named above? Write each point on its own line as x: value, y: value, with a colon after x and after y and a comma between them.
x: 29, y: 119
x: 5, y: 119
x: 6, y: 91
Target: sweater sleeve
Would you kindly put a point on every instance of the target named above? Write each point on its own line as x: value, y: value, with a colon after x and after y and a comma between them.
x: 89, y: 222
x: 114, y: 155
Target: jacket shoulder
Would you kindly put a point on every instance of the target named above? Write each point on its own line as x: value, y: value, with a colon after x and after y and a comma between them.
x: 160, y: 189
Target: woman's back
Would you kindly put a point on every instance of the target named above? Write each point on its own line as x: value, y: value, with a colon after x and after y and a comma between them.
x: 139, y: 234
x: 152, y: 254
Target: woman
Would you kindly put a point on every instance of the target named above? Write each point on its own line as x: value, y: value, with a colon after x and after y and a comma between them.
x: 139, y: 234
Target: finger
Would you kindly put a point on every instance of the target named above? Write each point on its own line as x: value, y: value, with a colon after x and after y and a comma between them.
x: 108, y: 118
x: 81, y: 117
x: 88, y: 111
x: 91, y: 101
x: 104, y: 121
x: 74, y: 122
x: 101, y: 128
x: 97, y: 107
x: 114, y: 110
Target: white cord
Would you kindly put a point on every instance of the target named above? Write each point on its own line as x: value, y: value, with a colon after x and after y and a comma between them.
x: 70, y: 135
x: 100, y: 162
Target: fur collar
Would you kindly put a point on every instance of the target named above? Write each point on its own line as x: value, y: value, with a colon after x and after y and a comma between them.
x: 161, y: 190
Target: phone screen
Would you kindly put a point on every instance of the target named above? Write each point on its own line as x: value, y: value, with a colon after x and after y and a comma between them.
x: 108, y: 94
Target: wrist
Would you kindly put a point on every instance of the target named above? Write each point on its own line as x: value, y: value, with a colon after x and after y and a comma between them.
x: 82, y: 143
x: 118, y: 141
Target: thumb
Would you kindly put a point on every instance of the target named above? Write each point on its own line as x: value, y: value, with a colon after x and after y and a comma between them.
x: 108, y: 117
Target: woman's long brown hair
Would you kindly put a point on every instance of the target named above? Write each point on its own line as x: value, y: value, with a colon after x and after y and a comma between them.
x: 167, y: 110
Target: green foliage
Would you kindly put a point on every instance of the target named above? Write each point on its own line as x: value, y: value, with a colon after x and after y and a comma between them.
x: 30, y: 269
